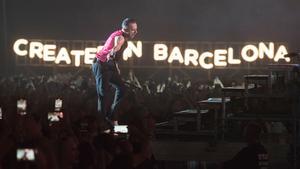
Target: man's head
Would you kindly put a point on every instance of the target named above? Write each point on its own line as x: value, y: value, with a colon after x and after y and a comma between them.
x: 129, y: 26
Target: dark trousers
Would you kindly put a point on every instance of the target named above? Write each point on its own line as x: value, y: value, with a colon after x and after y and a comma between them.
x: 106, y: 74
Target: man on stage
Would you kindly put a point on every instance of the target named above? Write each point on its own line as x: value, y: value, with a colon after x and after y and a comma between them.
x: 106, y: 70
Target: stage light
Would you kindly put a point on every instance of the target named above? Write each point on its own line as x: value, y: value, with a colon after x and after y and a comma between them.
x: 231, y: 60
x: 36, y: 49
x: 191, y: 56
x: 49, y: 52
x: 264, y: 50
x: 90, y: 54
x: 131, y: 48
x: 280, y: 54
x: 248, y: 57
x: 202, y: 58
x: 175, y: 55
x: 220, y: 57
x: 77, y: 54
x: 160, y: 52
x: 63, y: 55
x: 17, y: 45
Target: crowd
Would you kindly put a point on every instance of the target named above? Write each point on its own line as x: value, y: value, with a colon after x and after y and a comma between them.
x: 79, y: 94
x: 80, y: 138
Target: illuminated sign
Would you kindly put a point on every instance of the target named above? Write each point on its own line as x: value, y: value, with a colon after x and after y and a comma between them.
x: 220, y: 57
x: 184, y: 55
x: 50, y: 53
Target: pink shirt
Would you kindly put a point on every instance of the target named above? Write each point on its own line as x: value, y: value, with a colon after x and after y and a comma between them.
x: 108, y: 46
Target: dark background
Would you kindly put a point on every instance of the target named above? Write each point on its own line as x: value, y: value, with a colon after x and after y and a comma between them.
x: 159, y: 20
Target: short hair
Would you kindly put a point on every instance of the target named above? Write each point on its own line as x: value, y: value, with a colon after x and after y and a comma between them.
x: 127, y: 21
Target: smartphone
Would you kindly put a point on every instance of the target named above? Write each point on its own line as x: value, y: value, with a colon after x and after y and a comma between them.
x: 58, y: 104
x: 26, y: 154
x: 55, y: 117
x: 121, y: 129
x: 21, y: 106
x: 1, y: 114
